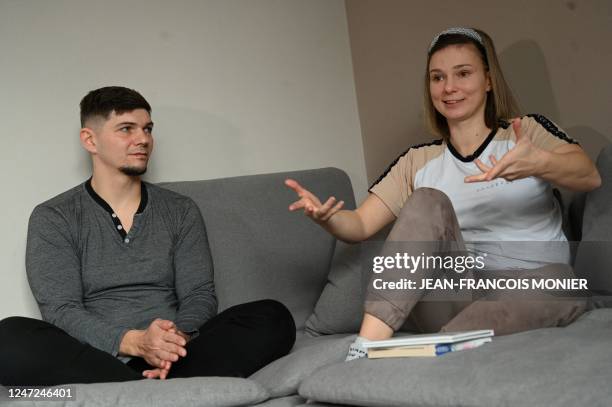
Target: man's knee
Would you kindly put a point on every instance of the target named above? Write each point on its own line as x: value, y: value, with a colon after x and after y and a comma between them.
x: 277, y: 312
x: 278, y: 319
x: 14, y: 345
x: 12, y: 327
x: 19, y: 334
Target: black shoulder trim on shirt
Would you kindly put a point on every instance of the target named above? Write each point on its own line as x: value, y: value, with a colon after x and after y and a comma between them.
x: 552, y: 128
x: 476, y: 153
x: 384, y: 174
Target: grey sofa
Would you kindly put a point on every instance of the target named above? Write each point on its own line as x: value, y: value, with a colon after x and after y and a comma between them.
x: 261, y: 250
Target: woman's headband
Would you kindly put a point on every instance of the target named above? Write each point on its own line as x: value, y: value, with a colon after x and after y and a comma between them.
x: 468, y: 32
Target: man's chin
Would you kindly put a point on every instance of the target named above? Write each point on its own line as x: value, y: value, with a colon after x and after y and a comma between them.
x: 133, y: 171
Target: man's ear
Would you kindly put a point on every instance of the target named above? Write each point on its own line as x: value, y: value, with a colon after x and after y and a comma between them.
x: 88, y: 139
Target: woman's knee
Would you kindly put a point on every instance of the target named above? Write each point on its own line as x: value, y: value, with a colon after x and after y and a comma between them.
x: 428, y: 200
x: 428, y: 215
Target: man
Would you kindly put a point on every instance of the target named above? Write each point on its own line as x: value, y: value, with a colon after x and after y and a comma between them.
x: 123, y: 276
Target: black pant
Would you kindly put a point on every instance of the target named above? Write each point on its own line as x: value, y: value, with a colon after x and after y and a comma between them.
x: 237, y: 342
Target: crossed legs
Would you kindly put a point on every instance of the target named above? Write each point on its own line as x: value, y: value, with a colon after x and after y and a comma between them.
x: 427, y: 225
x: 237, y: 342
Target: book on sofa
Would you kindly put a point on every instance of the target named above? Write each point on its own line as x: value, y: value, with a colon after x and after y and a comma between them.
x: 428, y: 344
x: 425, y: 350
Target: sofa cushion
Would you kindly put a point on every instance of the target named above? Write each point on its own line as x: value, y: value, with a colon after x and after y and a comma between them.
x: 593, y: 260
x: 554, y: 366
x: 196, y: 392
x: 340, y: 306
x: 283, y: 376
x: 289, y: 401
x: 339, y: 309
x: 597, y: 220
x: 259, y: 248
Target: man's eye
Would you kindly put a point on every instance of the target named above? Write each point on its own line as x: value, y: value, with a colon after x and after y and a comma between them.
x: 125, y: 129
x: 148, y: 130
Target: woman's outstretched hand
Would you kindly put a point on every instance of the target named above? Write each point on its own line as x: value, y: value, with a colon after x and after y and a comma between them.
x: 521, y: 161
x: 312, y: 206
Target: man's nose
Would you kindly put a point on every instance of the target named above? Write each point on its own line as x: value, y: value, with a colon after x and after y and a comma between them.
x: 143, y: 137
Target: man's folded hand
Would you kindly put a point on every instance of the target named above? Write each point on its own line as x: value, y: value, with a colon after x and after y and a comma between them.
x: 159, y: 345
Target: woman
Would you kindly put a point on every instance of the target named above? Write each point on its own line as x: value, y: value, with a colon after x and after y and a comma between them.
x: 459, y: 188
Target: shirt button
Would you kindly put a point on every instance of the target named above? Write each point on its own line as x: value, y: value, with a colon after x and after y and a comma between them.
x: 126, y: 240
x: 114, y: 215
x: 119, y: 227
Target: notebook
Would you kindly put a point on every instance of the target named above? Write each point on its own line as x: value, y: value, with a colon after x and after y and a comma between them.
x: 429, y: 339
x: 425, y: 350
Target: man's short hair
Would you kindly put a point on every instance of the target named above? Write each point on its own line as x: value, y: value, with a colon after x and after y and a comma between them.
x: 102, y: 102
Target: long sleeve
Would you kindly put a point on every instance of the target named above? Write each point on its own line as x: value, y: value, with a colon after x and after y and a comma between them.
x: 193, y: 273
x: 53, y: 268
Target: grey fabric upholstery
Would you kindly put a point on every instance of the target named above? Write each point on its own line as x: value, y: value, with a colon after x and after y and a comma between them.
x: 340, y: 306
x: 193, y: 392
x: 597, y: 219
x: 555, y: 366
x: 259, y: 248
x: 339, y: 309
x: 593, y: 259
x: 315, y: 404
x: 289, y: 401
x: 282, y: 377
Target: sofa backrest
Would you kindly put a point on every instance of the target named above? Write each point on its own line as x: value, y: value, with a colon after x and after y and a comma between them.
x: 597, y: 218
x: 594, y: 256
x: 260, y: 249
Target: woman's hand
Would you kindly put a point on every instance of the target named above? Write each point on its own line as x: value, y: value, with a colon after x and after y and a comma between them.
x: 350, y: 226
x: 522, y: 161
x: 312, y: 206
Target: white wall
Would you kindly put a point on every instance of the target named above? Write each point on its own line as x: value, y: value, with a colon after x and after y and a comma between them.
x: 237, y: 87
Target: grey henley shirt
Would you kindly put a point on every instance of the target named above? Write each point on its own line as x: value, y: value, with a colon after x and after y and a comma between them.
x: 96, y: 284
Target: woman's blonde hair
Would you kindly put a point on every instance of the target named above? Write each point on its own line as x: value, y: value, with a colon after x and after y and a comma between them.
x: 500, y: 104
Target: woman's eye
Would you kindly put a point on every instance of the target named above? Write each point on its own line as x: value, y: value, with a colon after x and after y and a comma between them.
x: 463, y: 74
x: 436, y: 78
